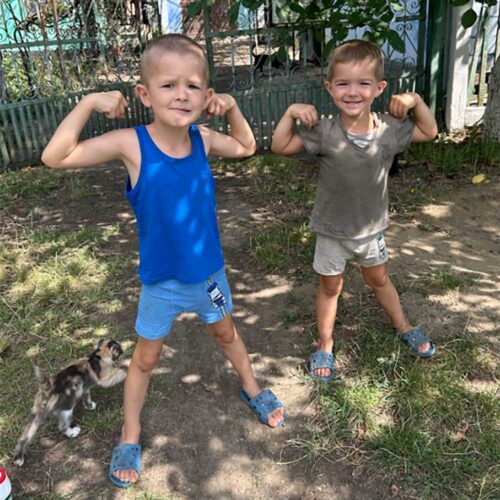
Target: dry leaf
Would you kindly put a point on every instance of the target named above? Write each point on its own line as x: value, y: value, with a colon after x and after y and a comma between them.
x: 477, y: 179
x: 394, y: 490
x: 460, y: 434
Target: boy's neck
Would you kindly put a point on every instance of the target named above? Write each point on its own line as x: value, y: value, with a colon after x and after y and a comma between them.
x: 174, y: 141
x: 362, y: 124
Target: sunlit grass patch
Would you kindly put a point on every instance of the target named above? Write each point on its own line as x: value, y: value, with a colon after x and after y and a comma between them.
x: 419, y: 418
x: 57, y: 292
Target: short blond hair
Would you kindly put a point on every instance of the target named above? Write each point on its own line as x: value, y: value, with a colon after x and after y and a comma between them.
x: 176, y: 43
x: 356, y: 51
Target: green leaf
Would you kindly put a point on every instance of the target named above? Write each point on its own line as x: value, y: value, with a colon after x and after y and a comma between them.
x: 469, y: 18
x: 234, y: 10
x: 328, y: 47
x: 193, y: 9
x: 397, y: 7
x: 396, y: 41
x: 388, y: 17
x: 295, y: 7
x: 281, y: 55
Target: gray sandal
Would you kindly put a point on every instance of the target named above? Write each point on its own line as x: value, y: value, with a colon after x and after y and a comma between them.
x: 415, y: 338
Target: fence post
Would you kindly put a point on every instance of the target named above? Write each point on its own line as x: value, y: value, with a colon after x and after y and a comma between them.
x: 437, y: 30
x: 208, y: 42
x: 458, y: 69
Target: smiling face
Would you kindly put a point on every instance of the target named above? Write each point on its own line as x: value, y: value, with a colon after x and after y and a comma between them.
x: 176, y: 88
x: 353, y: 87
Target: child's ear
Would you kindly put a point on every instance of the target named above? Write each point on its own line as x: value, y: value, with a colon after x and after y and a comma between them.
x: 142, y: 92
x: 328, y: 86
x: 381, y: 86
x: 209, y: 95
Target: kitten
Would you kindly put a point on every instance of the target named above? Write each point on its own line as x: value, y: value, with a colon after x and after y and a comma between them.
x: 61, y: 393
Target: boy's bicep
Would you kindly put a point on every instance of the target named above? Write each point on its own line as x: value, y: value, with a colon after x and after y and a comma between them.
x: 418, y: 136
x: 295, y: 145
x: 104, y: 148
x: 222, y: 145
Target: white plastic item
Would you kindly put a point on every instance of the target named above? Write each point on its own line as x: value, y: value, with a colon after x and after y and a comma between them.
x: 5, y: 487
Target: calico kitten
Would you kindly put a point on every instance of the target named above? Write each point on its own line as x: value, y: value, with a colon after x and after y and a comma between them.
x: 61, y: 393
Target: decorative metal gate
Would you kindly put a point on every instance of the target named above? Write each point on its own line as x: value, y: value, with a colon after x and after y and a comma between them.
x: 252, y: 63
x: 52, y: 53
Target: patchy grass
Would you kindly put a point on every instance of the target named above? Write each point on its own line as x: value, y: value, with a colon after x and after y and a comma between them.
x: 24, y: 189
x: 57, y: 292
x: 426, y: 422
x: 456, y: 156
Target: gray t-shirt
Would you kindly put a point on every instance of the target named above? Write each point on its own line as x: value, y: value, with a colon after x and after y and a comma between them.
x: 351, y: 196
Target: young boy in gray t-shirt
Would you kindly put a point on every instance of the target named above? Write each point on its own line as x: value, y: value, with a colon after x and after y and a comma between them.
x: 355, y: 151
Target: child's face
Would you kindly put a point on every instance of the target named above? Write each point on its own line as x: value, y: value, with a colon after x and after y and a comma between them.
x: 354, y: 87
x: 176, y: 89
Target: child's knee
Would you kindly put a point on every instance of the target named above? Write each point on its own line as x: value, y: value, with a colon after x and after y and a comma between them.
x: 145, y: 360
x: 331, y: 285
x: 375, y: 279
x: 224, y: 335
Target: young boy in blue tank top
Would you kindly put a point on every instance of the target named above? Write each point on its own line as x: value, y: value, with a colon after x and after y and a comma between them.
x: 172, y: 192
x: 355, y: 152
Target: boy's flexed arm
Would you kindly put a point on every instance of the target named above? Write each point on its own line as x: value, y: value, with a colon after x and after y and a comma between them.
x: 65, y: 150
x: 285, y: 140
x: 425, y: 123
x: 240, y: 142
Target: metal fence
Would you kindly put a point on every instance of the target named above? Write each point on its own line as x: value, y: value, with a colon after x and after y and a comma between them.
x: 52, y: 53
x: 265, y: 75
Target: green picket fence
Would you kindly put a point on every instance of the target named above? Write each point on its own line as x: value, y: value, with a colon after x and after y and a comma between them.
x: 42, y: 79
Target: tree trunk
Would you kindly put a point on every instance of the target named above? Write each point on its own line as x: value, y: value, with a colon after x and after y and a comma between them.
x: 492, y: 114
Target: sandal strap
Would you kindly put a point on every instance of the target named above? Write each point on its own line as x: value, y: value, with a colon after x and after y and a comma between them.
x: 321, y: 359
x: 126, y: 456
x: 415, y: 338
x: 263, y: 404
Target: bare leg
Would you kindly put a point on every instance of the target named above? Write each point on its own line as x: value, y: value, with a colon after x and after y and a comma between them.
x: 326, y: 312
x: 144, y: 359
x: 225, y: 334
x: 377, y: 278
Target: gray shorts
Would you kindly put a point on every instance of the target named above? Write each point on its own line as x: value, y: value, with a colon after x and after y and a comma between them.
x: 332, y: 254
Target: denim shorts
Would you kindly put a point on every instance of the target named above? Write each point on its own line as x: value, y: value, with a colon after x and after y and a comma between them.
x: 332, y: 254
x: 161, y: 303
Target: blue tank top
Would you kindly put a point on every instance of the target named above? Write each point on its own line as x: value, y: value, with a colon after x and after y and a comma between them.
x: 174, y: 204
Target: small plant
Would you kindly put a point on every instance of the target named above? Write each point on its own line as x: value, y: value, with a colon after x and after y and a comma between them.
x: 448, y: 280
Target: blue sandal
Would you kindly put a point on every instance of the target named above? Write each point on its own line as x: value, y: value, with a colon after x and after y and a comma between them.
x: 319, y: 360
x: 125, y: 456
x: 415, y: 338
x: 263, y: 404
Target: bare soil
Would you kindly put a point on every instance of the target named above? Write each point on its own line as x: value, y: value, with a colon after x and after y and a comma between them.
x: 200, y: 441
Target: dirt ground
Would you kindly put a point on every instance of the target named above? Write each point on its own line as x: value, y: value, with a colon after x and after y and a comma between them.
x: 200, y: 441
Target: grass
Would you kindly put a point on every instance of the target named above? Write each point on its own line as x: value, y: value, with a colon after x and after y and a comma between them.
x: 58, y: 291
x: 435, y: 424
x: 457, y: 156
